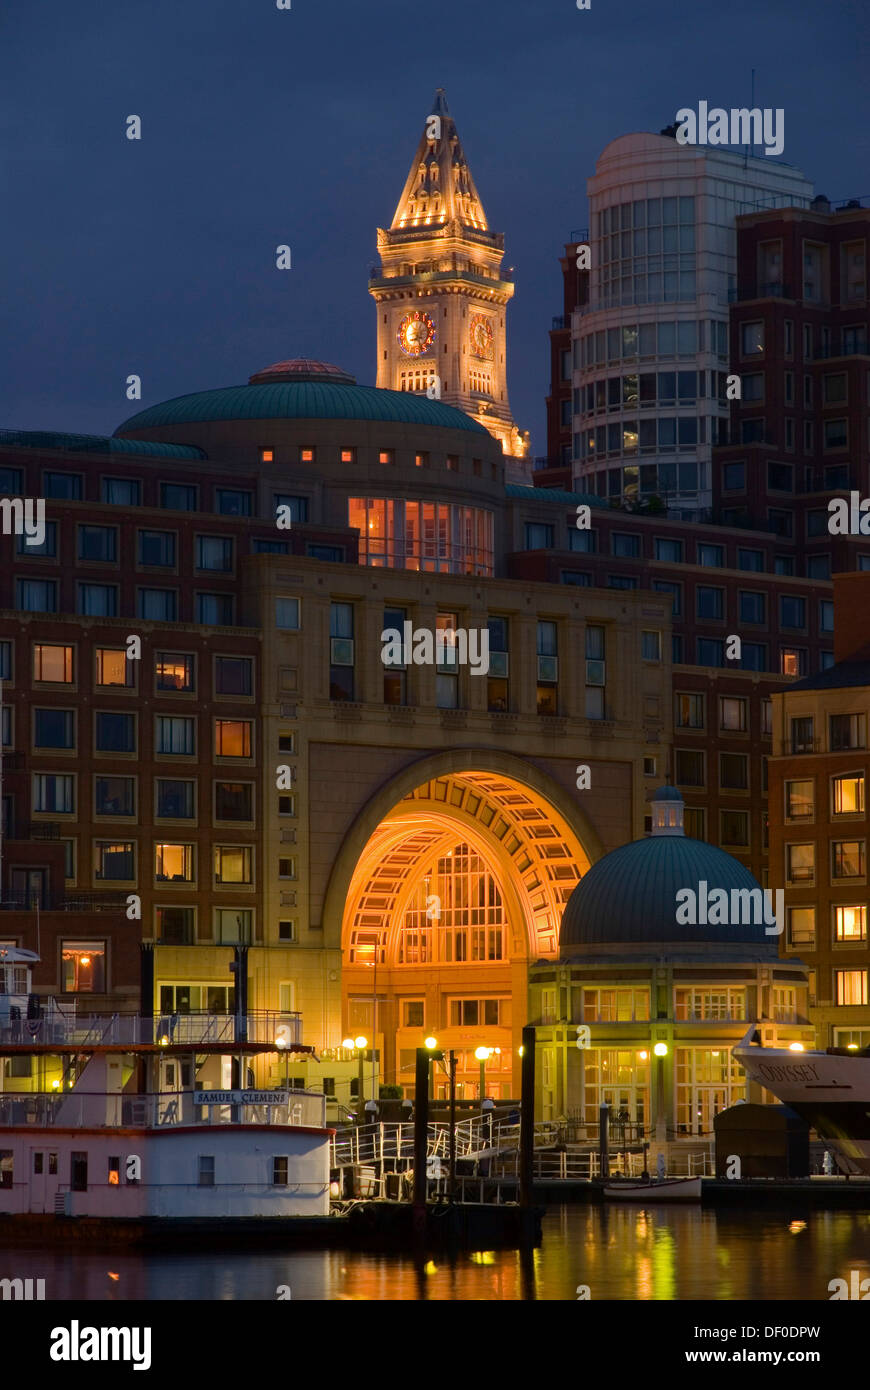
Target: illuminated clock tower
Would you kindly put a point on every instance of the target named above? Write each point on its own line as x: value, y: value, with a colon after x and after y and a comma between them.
x: 441, y: 294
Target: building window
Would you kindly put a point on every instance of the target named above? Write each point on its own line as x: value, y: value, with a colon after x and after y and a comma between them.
x: 54, y: 792
x: 848, y: 731
x: 803, y: 734
x: 547, y: 667
x: 98, y: 543
x: 280, y: 1170
x: 800, y: 800
x: 690, y: 767
x: 175, y: 734
x: 711, y: 555
x: 177, y: 497
x: 752, y: 339
x: 287, y: 614
x: 233, y: 675
x: 121, y: 492
x: 624, y: 545
x: 711, y: 651
x: 175, y: 926
x: 115, y: 796
x: 793, y: 661
x: 596, y: 671
x: 800, y: 863
x: 675, y: 589
x: 850, y: 987
x: 66, y: 487
x: 233, y: 864
x: 158, y: 605
x: 752, y: 606
x: 792, y: 611
x: 36, y: 595
x: 232, y: 502
x: 395, y: 672
x: 214, y: 553
x: 296, y: 508
x: 413, y: 1013
x: 446, y: 671
x: 53, y: 664
x: 114, y: 860
x: 734, y: 771
x: 98, y: 600
x: 174, y: 671
x: 689, y: 710
x: 750, y: 559
x: 847, y: 859
x: 175, y: 799
x: 341, y: 652
x: 847, y: 794
x: 114, y: 733
x: 234, y: 801
x: 174, y: 862
x: 205, y: 1167
x: 732, y: 713
x: 233, y: 738
x: 735, y: 828
x: 850, y: 922
x: 53, y: 728
x: 801, y: 926
x: 539, y: 536
x: 83, y: 967
x: 497, y: 683
x: 113, y: 668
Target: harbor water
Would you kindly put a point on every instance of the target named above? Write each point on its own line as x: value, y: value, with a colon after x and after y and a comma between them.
x: 613, y: 1252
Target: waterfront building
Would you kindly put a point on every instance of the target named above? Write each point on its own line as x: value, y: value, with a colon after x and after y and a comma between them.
x: 259, y: 775
x: 819, y: 823
x: 663, y: 1001
x: 441, y: 293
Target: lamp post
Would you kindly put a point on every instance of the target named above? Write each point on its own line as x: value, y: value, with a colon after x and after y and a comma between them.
x: 661, y: 1052
x: 359, y: 1045
x: 482, y: 1054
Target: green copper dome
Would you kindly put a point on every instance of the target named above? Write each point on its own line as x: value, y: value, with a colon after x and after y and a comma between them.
x: 321, y: 393
x: 631, y: 894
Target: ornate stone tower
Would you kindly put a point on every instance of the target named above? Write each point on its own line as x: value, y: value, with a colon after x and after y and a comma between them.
x: 441, y: 295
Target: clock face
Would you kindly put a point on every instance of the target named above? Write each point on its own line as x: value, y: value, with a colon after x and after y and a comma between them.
x: 416, y: 333
x: 480, y: 332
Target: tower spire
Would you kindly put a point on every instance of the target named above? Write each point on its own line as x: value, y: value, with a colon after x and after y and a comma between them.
x: 439, y: 187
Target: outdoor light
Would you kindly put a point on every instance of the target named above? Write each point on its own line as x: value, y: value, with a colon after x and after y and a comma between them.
x: 164, y: 1041
x: 55, y: 1085
x: 348, y: 1043
x: 795, y: 1047
x: 521, y: 1050
x: 661, y: 1049
x: 431, y: 1043
x: 481, y: 1053
x: 851, y: 1047
x: 280, y: 1042
x: 643, y: 1056
x: 360, y: 1042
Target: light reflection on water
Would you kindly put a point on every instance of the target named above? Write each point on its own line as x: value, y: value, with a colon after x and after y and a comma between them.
x: 618, y: 1252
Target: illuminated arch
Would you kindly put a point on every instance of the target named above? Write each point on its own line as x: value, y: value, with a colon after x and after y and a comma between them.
x: 520, y: 821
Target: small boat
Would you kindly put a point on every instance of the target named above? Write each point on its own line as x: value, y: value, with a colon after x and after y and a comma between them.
x: 663, y: 1190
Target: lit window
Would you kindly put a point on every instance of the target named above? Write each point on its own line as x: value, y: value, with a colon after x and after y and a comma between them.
x: 850, y: 922
x: 232, y: 738
x: 84, y: 967
x: 52, y: 663
x: 267, y: 456
x: 174, y: 862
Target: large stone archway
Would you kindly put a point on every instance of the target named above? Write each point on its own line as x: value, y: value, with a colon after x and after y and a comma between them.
x: 452, y: 879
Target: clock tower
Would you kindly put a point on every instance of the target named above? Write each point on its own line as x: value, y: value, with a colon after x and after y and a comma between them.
x: 441, y: 295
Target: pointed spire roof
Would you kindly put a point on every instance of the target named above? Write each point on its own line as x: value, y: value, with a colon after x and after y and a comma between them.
x: 439, y: 188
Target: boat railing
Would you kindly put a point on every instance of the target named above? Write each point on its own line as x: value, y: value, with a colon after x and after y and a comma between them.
x: 284, y: 1030
x: 161, y: 1110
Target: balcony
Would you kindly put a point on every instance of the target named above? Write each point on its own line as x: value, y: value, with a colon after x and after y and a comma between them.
x: 60, y: 1027
x: 162, y: 1111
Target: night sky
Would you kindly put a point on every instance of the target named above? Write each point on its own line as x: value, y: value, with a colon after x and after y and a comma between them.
x: 262, y: 126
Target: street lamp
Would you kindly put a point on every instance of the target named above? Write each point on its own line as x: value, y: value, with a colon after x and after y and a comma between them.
x: 661, y: 1051
x: 359, y: 1044
x: 482, y: 1053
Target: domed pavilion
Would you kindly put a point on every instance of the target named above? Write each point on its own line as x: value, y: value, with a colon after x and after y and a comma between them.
x: 668, y: 950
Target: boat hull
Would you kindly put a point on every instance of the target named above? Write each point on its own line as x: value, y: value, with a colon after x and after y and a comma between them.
x: 667, y: 1190
x: 831, y: 1092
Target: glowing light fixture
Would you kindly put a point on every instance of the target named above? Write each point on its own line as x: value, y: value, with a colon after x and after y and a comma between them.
x: 481, y: 1053
x: 431, y: 1043
x: 644, y: 1056
x: 348, y: 1043
x: 164, y: 1041
x: 661, y: 1049
x: 796, y: 1047
x: 360, y: 1042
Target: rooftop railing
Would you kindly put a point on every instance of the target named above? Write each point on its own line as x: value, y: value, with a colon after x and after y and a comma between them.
x: 163, y: 1110
x: 282, y: 1030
